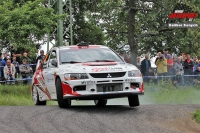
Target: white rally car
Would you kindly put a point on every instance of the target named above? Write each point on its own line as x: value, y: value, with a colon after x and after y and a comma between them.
x: 85, y: 72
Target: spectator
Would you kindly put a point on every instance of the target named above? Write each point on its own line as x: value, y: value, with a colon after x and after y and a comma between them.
x: 145, y: 66
x: 151, y: 75
x: 184, y: 56
x: 25, y: 57
x: 166, y: 53
x: 41, y: 57
x: 161, y: 64
x: 9, y: 72
x: 170, y: 65
x: 138, y: 62
x: 16, y: 64
x: 182, y: 60
x: 188, y: 69
x: 5, y: 57
x: 197, y: 75
x: 159, y: 53
x: 25, y: 71
x: 2, y: 65
x: 178, y: 67
x: 174, y: 59
x: 195, y: 59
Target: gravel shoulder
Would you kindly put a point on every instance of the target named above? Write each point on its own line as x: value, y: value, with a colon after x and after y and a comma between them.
x: 90, y: 119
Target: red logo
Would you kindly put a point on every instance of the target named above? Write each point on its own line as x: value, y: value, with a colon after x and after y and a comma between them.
x: 180, y: 14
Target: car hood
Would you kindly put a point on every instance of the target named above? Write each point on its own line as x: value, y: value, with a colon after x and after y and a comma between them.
x: 96, y: 67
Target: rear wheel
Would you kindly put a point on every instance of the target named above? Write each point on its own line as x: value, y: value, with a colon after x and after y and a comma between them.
x: 35, y: 97
x: 63, y: 103
x: 100, y: 102
x: 133, y: 100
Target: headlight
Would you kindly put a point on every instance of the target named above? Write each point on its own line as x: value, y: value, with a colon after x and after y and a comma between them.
x: 134, y: 73
x: 75, y: 76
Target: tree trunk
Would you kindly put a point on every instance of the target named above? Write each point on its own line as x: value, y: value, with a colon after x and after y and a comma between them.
x: 131, y: 32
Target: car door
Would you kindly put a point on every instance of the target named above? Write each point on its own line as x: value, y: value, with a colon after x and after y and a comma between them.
x: 49, y: 72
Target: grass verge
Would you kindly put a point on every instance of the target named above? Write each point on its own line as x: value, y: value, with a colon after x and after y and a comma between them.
x: 17, y: 95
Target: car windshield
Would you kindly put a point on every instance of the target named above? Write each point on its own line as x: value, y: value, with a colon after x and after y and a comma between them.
x: 88, y: 55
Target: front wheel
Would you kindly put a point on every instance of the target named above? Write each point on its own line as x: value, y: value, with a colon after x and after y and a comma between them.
x: 100, y: 102
x: 133, y: 100
x: 35, y: 97
x: 63, y: 103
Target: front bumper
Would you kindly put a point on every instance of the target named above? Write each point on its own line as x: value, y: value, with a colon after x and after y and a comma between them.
x: 90, y: 90
x: 102, y: 96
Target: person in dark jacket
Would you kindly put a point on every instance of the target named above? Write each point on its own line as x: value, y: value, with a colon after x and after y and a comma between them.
x: 2, y: 64
x: 188, y: 65
x: 197, y: 75
x: 145, y: 66
x: 41, y: 57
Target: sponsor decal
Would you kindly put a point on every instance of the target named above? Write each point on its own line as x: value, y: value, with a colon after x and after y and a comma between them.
x: 106, y: 69
x: 88, y: 82
x: 130, y: 80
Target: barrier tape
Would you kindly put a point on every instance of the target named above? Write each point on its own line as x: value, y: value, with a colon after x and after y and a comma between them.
x: 21, y: 64
x: 16, y: 80
x: 172, y: 76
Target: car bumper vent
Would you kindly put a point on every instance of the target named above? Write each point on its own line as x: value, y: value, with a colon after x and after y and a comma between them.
x: 79, y: 88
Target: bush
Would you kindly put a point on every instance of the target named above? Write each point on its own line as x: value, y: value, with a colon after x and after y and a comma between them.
x: 197, y: 115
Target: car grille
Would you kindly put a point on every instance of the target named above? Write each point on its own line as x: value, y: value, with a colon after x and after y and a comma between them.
x: 108, y: 75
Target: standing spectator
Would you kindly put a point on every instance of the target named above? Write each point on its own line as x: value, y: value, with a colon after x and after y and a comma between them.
x: 5, y: 57
x: 138, y: 62
x: 161, y: 64
x: 178, y: 67
x: 195, y: 60
x: 9, y: 72
x: 188, y: 69
x: 25, y: 71
x: 159, y: 53
x: 25, y: 57
x: 16, y: 64
x: 184, y: 56
x: 170, y: 65
x: 182, y: 60
x: 166, y: 53
x: 2, y: 65
x: 174, y: 59
x: 145, y: 66
x: 41, y: 57
x: 197, y: 75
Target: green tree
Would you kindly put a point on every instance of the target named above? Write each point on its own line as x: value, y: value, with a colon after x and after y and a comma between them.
x: 22, y: 25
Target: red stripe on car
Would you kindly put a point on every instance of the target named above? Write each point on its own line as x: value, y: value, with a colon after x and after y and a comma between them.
x: 68, y: 90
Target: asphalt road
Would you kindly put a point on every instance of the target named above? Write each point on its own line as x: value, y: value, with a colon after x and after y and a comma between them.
x: 91, y: 119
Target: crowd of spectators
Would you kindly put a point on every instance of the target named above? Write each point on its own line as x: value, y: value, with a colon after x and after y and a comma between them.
x: 16, y: 66
x: 181, y: 70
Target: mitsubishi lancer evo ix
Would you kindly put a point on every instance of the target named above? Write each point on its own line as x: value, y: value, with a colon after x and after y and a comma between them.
x: 85, y: 72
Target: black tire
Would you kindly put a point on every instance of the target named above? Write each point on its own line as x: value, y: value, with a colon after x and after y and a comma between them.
x: 100, y: 102
x: 63, y: 103
x: 133, y: 100
x: 36, y: 98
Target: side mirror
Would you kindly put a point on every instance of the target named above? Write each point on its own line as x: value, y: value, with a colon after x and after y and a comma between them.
x: 54, y: 62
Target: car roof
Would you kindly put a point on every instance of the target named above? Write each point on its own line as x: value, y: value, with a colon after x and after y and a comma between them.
x: 80, y: 46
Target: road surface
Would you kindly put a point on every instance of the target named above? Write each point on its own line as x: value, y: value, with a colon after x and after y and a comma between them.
x: 91, y: 119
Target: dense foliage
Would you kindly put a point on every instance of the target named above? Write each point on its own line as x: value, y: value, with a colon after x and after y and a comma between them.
x: 22, y: 25
x: 140, y: 23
